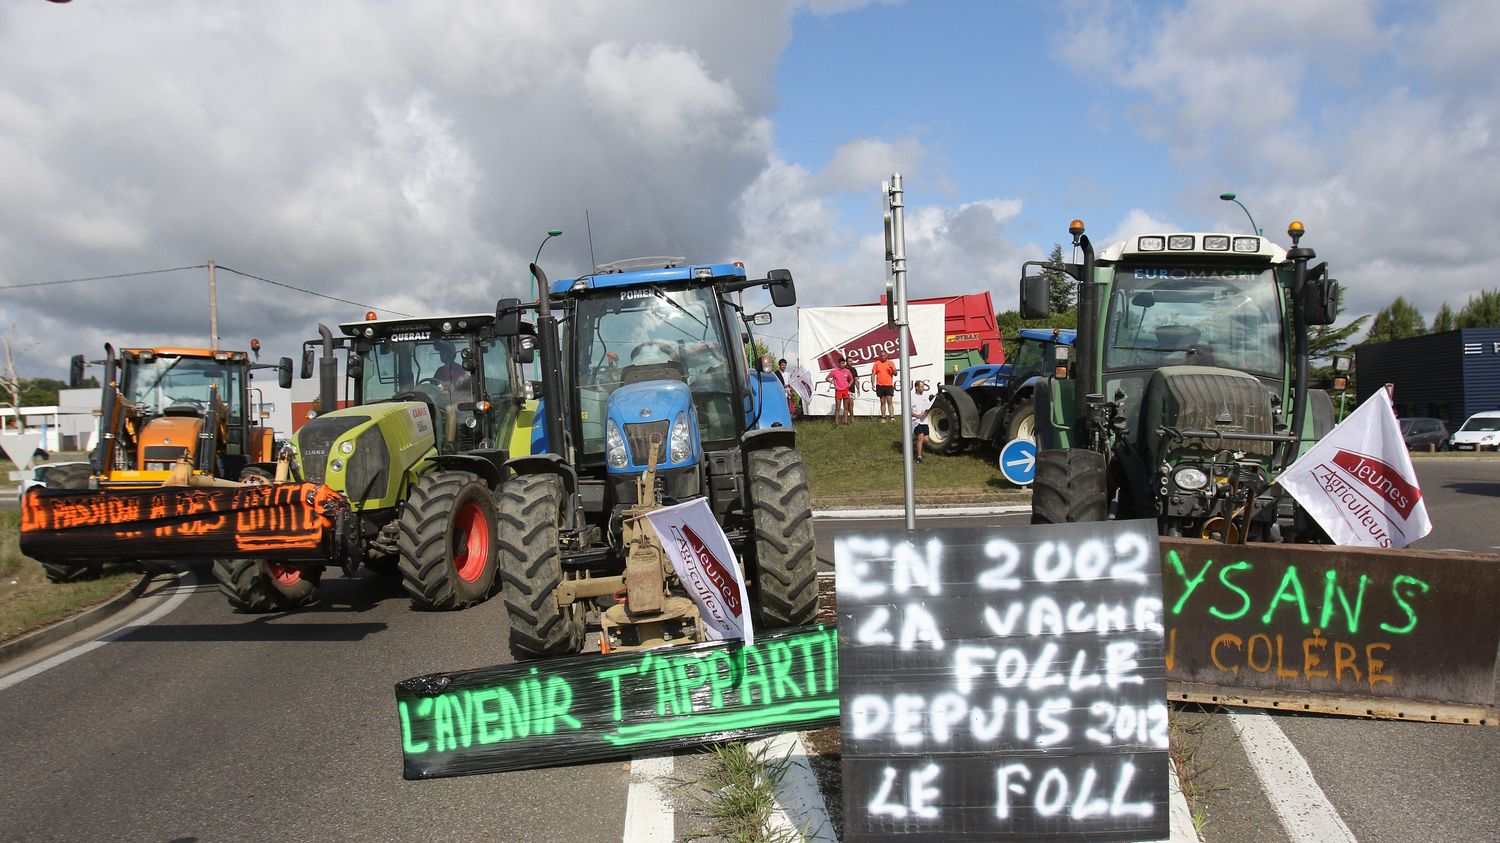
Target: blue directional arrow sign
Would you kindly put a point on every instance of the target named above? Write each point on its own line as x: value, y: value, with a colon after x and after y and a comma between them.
x: 1018, y: 461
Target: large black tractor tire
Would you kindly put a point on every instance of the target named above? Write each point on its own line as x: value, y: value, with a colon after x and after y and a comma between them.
x: 256, y: 586
x: 69, y: 476
x: 62, y: 572
x: 530, y: 508
x: 785, y: 565
x: 1022, y: 423
x: 944, y: 427
x: 447, y: 541
x: 1070, y: 487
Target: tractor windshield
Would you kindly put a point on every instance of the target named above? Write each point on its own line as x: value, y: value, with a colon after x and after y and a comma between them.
x: 1220, y: 317
x: 421, y: 370
x: 641, y: 326
x: 179, y: 381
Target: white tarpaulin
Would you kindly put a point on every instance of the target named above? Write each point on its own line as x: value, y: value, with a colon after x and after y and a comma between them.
x: 1358, y: 481
x: 860, y: 333
x: 706, y: 565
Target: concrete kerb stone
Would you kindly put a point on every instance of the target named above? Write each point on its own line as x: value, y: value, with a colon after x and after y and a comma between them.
x: 67, y: 626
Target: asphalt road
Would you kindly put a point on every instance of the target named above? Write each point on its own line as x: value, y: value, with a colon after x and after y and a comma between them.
x: 208, y: 725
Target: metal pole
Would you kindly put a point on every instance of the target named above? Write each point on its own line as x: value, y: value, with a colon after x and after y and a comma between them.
x: 213, y: 307
x: 898, y: 269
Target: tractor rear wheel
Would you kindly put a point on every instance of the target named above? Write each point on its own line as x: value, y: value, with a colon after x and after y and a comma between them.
x: 257, y: 586
x: 1022, y: 424
x: 530, y: 562
x: 72, y: 571
x: 944, y: 427
x: 447, y: 541
x: 1070, y: 487
x: 785, y: 567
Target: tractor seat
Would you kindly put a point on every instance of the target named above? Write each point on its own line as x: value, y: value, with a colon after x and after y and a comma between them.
x: 670, y: 371
x: 186, y: 410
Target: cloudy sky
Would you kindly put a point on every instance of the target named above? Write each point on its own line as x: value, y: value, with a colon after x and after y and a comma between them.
x: 411, y: 156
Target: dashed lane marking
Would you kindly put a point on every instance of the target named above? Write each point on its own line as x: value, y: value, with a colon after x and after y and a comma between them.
x: 649, y: 815
x: 1305, y: 813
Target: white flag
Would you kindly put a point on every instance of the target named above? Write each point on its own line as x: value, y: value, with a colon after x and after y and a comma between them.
x: 706, y: 565
x: 1358, y: 481
x: 802, y: 381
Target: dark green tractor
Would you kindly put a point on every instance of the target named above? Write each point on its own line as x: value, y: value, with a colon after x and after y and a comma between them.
x: 1187, y: 391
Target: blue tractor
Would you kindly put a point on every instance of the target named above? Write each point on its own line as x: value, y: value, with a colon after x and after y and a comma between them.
x: 991, y: 404
x: 650, y: 359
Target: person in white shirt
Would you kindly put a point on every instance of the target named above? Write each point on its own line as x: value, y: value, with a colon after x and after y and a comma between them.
x: 921, y: 403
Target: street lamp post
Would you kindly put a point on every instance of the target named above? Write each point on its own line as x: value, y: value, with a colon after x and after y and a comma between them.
x: 1229, y: 197
x: 556, y: 232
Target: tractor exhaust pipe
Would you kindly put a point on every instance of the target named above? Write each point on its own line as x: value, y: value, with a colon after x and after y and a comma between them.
x: 546, y: 331
x: 1300, y: 255
x: 1083, y: 346
x: 328, y: 374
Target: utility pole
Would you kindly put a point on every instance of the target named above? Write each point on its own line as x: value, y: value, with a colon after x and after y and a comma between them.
x: 213, y: 307
x: 896, y: 254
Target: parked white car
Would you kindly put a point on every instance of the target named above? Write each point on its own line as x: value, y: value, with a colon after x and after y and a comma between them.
x: 1480, y: 433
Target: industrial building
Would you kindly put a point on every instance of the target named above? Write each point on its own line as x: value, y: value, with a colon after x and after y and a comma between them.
x: 1449, y: 376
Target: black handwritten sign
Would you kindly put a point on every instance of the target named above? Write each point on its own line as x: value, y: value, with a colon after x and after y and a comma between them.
x: 1003, y: 684
x: 591, y: 707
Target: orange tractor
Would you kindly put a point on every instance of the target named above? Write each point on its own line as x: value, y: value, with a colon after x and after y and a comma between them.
x: 170, y: 417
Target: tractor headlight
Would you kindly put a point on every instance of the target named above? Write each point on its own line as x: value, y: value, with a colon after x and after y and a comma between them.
x: 1189, y: 478
x: 614, y: 445
x: 682, y: 443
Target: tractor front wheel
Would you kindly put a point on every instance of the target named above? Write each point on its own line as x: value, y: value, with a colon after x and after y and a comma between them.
x: 447, y: 541
x: 1070, y: 486
x: 530, y: 562
x: 944, y: 427
x: 257, y: 586
x: 784, y: 574
x: 1022, y: 423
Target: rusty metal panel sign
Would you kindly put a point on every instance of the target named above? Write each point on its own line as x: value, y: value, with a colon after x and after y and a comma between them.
x: 268, y: 521
x: 1403, y: 634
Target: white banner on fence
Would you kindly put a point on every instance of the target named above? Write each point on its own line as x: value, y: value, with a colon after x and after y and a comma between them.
x: 1358, y: 481
x: 706, y: 565
x: 859, y: 333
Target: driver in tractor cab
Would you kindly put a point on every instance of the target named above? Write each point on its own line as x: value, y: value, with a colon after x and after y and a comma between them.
x: 452, y: 376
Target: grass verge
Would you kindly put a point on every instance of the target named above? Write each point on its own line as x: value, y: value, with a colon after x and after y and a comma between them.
x: 28, y: 601
x: 1188, y: 728
x: 740, y: 796
x: 861, y: 461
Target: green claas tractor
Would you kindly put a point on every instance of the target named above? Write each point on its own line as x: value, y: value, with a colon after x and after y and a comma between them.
x: 1187, y: 389
x: 402, y: 478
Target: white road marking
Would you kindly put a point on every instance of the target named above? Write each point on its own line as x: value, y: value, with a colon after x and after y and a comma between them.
x: 923, y: 512
x: 649, y: 815
x: 185, y: 586
x: 800, y: 813
x: 1183, y: 829
x: 1305, y: 813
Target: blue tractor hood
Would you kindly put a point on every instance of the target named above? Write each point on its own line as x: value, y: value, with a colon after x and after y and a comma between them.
x: 639, y: 409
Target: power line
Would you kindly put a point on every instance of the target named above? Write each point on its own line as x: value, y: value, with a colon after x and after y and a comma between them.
x: 312, y: 293
x: 102, y: 277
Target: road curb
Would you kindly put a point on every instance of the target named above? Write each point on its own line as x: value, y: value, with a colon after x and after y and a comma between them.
x: 67, y: 626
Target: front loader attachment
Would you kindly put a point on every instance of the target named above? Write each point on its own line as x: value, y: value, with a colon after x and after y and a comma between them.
x: 283, y: 521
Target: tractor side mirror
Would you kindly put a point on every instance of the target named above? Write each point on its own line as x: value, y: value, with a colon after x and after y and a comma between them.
x: 284, y: 373
x: 75, y: 371
x: 1034, y: 300
x: 507, y: 317
x: 307, y: 363
x: 525, y: 349
x: 783, y: 292
x: 1320, y: 301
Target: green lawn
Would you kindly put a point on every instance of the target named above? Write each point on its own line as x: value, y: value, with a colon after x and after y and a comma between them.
x: 28, y: 601
x: 860, y: 463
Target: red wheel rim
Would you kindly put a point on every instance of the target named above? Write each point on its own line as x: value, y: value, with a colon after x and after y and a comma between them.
x: 471, y: 542
x: 284, y: 574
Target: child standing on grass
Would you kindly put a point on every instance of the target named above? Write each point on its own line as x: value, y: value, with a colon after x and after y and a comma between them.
x: 842, y: 379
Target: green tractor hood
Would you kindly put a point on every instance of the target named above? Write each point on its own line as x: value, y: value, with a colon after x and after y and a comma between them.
x: 366, y: 452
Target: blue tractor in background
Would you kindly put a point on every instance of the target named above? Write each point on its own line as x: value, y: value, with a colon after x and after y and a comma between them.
x: 991, y: 405
x: 640, y: 358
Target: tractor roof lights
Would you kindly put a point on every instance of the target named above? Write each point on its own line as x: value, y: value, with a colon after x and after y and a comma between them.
x: 1152, y: 243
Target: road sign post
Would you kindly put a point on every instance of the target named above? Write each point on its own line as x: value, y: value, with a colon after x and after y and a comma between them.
x: 1018, y: 461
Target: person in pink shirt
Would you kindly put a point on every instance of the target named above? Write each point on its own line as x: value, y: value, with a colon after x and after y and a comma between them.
x: 842, y: 378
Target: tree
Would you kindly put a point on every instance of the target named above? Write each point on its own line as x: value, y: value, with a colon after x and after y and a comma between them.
x: 1444, y: 320
x: 1481, y: 311
x: 1399, y: 320
x: 1060, y: 288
